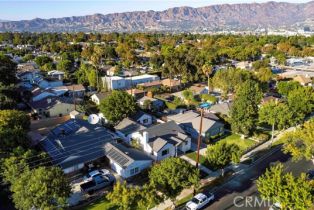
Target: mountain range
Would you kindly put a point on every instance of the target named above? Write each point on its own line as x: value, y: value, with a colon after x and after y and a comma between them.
x: 271, y: 15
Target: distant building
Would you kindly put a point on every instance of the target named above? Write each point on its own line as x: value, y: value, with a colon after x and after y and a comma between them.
x: 116, y: 82
x: 56, y: 74
x: 303, y: 80
x: 98, y: 97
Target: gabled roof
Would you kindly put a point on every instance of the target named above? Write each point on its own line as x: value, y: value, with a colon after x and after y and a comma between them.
x: 128, y: 126
x: 124, y: 156
x: 101, y: 96
x: 158, y: 144
x: 222, y: 108
x: 138, y: 115
x: 164, y: 129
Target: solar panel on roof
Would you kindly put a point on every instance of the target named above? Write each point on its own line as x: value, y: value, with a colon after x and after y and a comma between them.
x: 117, y: 157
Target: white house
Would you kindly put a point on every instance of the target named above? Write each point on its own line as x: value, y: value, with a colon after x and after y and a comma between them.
x: 98, y: 97
x: 116, y: 82
x: 127, y: 162
x: 56, y: 74
x: 163, y: 140
x: 142, y: 118
x: 128, y: 129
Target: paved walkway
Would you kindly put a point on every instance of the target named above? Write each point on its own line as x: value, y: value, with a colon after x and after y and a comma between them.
x: 200, y: 166
x: 167, y: 203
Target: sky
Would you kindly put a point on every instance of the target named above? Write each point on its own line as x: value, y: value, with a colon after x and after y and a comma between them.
x: 30, y: 9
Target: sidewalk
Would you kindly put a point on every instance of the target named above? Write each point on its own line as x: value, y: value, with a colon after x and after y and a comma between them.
x: 265, y: 145
x: 200, y: 166
x: 167, y: 203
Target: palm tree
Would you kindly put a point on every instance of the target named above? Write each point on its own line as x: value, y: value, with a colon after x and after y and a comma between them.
x: 207, y: 70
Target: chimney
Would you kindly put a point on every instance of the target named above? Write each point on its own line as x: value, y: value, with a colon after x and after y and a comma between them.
x: 145, y: 140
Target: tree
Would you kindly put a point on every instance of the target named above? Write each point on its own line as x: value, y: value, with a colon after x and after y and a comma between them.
x: 221, y: 154
x: 291, y: 192
x: 14, y: 118
x: 147, y: 104
x: 7, y: 70
x: 207, y: 70
x: 65, y: 66
x: 284, y: 88
x: 275, y: 114
x: 117, y: 106
x: 300, y: 143
x: 172, y: 175
x: 42, y: 60
x: 209, y: 98
x: 122, y: 196
x: 301, y: 102
x: 264, y: 74
x: 13, y: 127
x: 188, y: 95
x: 41, y: 188
x: 244, y: 111
x: 129, y: 197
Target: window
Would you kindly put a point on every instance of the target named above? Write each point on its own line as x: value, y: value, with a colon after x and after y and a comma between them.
x: 165, y: 152
x: 134, y: 171
x: 145, y: 121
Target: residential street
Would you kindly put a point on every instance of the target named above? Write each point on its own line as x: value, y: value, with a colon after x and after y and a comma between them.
x: 244, y: 184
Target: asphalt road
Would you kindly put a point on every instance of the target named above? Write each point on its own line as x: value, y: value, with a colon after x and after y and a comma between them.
x: 240, y: 191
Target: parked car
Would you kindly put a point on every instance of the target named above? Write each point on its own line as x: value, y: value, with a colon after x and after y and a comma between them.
x: 98, y: 182
x: 275, y: 206
x: 96, y: 172
x: 199, y: 201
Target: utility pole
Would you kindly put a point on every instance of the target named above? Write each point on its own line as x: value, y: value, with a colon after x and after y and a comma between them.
x: 199, y: 140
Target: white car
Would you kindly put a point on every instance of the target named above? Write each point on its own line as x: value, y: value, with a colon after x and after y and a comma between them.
x: 94, y: 173
x: 199, y: 201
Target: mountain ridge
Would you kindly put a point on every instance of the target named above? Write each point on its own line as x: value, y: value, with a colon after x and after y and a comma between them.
x: 246, y: 16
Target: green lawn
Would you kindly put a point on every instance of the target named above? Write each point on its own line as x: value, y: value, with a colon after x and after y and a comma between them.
x: 101, y: 204
x: 236, y: 139
x: 184, y: 200
x: 192, y: 155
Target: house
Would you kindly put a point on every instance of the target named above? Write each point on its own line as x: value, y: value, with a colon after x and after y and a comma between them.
x: 98, y: 97
x: 246, y: 65
x: 171, y: 83
x: 76, y: 90
x: 190, y: 122
x: 163, y: 140
x: 28, y: 76
x: 267, y: 99
x: 303, y: 80
x: 142, y: 118
x: 116, y: 82
x: 76, y: 143
x: 47, y: 83
x: 52, y: 106
x: 39, y: 94
x: 136, y: 80
x: 136, y: 93
x: 55, y: 74
x: 221, y: 108
x: 126, y: 162
x: 156, y: 104
x: 113, y: 82
x: 30, y: 66
x: 199, y: 89
x: 128, y: 129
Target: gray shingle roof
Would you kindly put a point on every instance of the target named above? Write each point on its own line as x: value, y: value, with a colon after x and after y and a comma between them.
x: 128, y: 126
x: 158, y: 144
